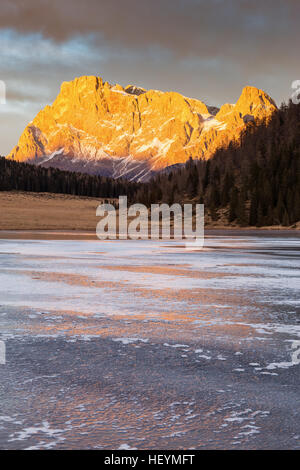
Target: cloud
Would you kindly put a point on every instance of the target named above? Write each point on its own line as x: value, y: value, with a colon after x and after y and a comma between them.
x: 204, y: 49
x: 187, y: 27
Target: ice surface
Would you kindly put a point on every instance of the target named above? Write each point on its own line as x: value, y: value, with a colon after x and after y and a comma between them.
x: 145, y: 344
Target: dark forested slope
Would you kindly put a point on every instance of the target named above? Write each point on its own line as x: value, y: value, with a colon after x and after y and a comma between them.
x: 26, y: 177
x: 255, y: 181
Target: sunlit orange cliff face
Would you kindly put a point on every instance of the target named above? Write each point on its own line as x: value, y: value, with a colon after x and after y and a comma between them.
x: 96, y: 127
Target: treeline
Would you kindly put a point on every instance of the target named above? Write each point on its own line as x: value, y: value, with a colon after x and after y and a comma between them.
x: 255, y: 181
x: 27, y: 177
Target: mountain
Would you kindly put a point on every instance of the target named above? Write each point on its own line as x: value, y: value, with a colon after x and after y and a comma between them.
x: 98, y: 128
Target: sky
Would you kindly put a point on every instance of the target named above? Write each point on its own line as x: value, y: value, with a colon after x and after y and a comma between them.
x: 205, y: 49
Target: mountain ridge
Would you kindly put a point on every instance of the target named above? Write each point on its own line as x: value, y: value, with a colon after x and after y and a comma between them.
x: 99, y: 128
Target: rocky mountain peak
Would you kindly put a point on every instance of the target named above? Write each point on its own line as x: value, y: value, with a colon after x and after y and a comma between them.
x: 99, y: 128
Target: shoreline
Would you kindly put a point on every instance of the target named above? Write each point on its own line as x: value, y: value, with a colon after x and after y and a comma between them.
x: 27, y: 215
x: 90, y: 235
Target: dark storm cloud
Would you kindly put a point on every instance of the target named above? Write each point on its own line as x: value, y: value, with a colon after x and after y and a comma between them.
x: 205, y: 49
x: 192, y: 27
x: 254, y: 33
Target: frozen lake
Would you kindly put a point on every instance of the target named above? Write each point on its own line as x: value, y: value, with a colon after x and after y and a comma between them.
x: 143, y: 344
